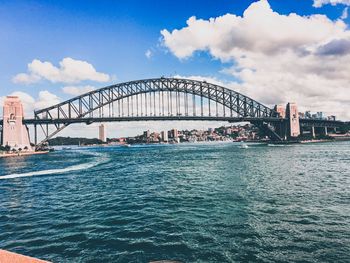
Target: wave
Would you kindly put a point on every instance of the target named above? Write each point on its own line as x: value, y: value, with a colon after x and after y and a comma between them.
x: 77, y: 167
x: 279, y: 145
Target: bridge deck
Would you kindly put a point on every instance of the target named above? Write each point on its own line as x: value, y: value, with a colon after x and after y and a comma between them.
x: 303, y: 122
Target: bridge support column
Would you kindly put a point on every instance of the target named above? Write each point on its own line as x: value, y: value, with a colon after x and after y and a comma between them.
x: 313, y: 132
x: 281, y: 130
x: 325, y: 131
x: 15, y: 134
x: 35, y: 135
x: 1, y: 135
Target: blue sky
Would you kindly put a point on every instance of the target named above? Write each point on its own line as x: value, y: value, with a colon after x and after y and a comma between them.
x: 113, y: 36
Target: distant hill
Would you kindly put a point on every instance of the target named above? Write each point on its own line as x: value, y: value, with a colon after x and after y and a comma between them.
x: 73, y: 141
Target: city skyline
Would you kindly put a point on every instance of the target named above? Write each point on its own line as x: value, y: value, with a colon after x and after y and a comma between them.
x: 49, y: 68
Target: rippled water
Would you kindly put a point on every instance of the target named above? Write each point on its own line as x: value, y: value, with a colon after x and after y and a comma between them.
x: 191, y: 202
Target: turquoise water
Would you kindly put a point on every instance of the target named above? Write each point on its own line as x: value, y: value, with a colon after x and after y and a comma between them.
x: 212, y: 202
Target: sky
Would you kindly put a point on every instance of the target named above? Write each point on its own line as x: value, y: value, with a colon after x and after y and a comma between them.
x: 273, y: 51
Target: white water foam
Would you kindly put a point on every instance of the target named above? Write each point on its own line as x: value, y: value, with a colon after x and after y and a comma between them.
x: 82, y: 166
x: 279, y: 145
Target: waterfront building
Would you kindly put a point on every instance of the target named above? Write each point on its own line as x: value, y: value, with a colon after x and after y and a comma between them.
x: 173, y: 134
x: 164, y: 136
x: 147, y: 134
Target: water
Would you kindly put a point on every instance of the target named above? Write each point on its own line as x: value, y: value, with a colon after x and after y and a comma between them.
x: 215, y: 202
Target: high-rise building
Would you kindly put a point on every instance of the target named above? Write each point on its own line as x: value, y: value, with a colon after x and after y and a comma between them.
x: 293, y: 115
x: 147, y: 134
x: 281, y: 110
x: 102, y: 133
x: 173, y: 134
x: 164, y: 136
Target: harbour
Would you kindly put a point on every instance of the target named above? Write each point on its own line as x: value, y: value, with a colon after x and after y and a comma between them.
x: 211, y: 202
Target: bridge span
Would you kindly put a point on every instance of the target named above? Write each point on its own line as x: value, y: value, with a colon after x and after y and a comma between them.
x: 170, y: 99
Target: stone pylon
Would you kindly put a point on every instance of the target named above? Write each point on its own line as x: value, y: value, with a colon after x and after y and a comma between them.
x: 15, y: 133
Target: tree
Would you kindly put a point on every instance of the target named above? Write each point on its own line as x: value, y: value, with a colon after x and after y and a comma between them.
x: 7, y: 148
x: 26, y: 148
x: 344, y: 128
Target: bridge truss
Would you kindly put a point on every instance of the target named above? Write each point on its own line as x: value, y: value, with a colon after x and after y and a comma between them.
x: 153, y: 99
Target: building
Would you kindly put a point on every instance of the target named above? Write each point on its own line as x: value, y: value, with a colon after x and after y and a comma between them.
x: 331, y: 118
x: 164, y: 136
x: 173, y: 134
x: 146, y: 134
x: 319, y: 115
x: 293, y: 116
x: 281, y: 110
x: 102, y: 133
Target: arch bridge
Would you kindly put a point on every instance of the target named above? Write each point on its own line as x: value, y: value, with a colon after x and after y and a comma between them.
x: 162, y: 99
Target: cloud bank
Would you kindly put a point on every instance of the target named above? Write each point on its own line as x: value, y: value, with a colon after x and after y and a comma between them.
x: 275, y: 58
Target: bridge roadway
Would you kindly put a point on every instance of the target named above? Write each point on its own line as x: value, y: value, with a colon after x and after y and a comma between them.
x: 303, y: 122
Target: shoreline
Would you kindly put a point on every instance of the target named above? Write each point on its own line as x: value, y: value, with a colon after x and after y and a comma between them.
x: 17, y: 154
x: 334, y: 139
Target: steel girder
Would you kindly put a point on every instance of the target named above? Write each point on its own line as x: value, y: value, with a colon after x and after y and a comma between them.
x: 86, y: 105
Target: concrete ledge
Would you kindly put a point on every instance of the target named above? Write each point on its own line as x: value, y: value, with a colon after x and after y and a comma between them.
x: 10, y: 257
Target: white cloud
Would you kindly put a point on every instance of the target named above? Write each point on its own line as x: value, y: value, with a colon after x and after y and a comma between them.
x: 25, y: 78
x: 46, y: 99
x: 148, y: 53
x: 77, y: 90
x: 69, y: 71
x: 344, y: 14
x: 276, y: 58
x: 320, y: 3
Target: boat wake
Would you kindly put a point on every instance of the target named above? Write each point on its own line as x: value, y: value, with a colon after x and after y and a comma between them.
x: 279, y: 145
x: 100, y: 159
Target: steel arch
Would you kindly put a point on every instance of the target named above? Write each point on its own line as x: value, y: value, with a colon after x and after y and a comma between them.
x: 85, y: 105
